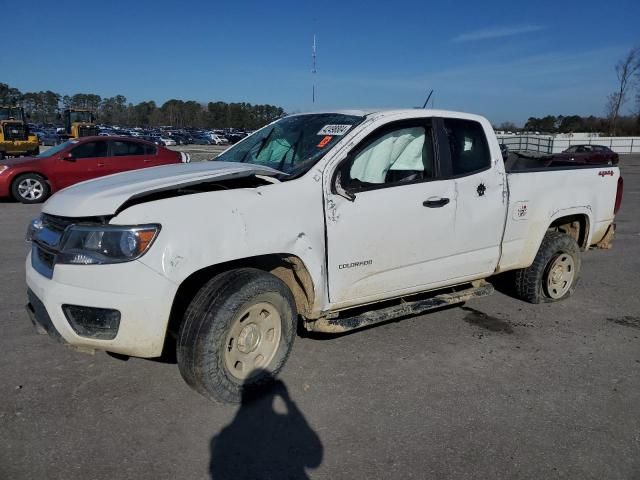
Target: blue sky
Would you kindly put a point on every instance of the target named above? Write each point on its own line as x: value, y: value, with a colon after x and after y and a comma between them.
x: 505, y: 60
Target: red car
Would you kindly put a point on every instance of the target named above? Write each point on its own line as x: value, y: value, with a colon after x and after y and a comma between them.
x: 587, y: 154
x: 33, y: 179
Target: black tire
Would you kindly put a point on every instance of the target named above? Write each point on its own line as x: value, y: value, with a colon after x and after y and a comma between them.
x: 531, y: 284
x: 203, y: 335
x: 40, y: 192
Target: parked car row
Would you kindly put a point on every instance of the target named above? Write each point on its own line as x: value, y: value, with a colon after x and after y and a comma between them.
x: 50, y: 135
x: 169, y: 137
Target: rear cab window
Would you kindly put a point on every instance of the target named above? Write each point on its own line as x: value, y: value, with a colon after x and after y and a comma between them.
x: 467, y: 146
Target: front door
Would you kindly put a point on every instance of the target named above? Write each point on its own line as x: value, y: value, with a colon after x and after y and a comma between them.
x: 393, y: 234
x: 87, y: 161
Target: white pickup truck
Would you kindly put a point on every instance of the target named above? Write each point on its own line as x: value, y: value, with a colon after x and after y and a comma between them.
x: 328, y: 221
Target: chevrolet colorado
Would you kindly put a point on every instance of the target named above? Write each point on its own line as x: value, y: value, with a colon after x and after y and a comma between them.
x: 329, y: 221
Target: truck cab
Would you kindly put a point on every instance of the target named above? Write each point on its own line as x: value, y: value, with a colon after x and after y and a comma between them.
x: 79, y: 123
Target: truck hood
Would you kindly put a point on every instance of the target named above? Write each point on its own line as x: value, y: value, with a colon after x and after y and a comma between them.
x: 104, y: 196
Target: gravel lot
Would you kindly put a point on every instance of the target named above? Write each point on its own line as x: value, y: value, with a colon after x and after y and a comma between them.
x: 200, y: 152
x: 497, y: 389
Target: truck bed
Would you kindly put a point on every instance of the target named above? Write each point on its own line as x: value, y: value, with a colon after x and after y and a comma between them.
x: 538, y: 196
x: 522, y: 163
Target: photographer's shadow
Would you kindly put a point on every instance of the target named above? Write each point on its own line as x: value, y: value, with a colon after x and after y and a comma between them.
x: 269, y: 438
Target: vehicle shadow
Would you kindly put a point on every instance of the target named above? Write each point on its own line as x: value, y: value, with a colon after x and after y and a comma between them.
x: 504, y: 283
x: 268, y: 438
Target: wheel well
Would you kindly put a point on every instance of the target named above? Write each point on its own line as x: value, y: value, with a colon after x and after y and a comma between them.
x: 288, y: 268
x: 576, y: 226
x: 13, y: 180
x: 30, y: 173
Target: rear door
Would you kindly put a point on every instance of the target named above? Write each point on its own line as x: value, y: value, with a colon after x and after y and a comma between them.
x: 87, y: 161
x: 481, y: 192
x: 128, y: 155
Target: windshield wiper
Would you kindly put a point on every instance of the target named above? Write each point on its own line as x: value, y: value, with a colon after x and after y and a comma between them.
x: 263, y: 143
x: 295, y: 149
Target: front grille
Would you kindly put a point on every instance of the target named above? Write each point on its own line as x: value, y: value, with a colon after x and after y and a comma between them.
x: 87, y: 131
x: 55, y: 223
x: 14, y: 131
x: 46, y: 240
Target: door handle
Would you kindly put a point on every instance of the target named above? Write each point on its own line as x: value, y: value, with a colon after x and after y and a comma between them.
x: 435, y: 202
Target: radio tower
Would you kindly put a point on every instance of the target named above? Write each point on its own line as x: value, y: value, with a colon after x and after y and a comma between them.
x: 313, y: 71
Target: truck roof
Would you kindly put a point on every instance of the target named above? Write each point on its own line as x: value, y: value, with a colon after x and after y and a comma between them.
x: 408, y: 112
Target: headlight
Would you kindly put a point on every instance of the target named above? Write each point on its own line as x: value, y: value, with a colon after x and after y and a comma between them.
x: 3, y: 168
x: 96, y: 245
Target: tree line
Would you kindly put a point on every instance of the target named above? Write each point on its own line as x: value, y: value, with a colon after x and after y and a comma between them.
x: 625, y: 125
x: 44, y: 107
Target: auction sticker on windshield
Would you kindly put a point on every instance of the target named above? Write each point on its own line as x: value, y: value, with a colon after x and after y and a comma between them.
x: 334, y: 130
x: 325, y: 140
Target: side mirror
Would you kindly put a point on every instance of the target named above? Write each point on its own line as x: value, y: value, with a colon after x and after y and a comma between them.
x: 338, y: 177
x: 68, y: 157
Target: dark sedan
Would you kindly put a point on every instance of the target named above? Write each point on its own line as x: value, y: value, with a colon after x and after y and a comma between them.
x: 587, y: 154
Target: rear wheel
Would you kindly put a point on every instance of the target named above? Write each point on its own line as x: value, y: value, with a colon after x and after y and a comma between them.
x: 554, y: 273
x: 30, y: 188
x: 236, y: 334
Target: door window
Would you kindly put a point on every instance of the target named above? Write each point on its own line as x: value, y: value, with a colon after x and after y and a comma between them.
x: 150, y: 149
x: 122, y: 148
x: 90, y: 150
x: 392, y: 156
x: 468, y: 146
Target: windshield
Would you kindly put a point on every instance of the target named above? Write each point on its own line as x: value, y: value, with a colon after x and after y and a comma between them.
x: 10, y: 113
x: 80, y: 117
x: 58, y: 148
x: 292, y: 144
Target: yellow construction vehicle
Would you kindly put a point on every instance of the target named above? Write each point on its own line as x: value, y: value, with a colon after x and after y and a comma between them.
x: 79, y: 123
x: 15, y: 139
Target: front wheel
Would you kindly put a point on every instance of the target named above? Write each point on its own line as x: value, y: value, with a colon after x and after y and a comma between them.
x: 554, y: 273
x: 236, y: 334
x: 30, y: 188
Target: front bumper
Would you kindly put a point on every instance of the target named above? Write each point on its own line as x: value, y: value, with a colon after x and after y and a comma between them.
x: 5, y: 185
x: 142, y: 296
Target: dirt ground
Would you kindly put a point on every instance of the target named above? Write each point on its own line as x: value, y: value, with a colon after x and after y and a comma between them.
x: 495, y: 389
